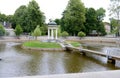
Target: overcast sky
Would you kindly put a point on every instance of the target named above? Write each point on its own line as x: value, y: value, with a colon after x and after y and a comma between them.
x: 51, y: 8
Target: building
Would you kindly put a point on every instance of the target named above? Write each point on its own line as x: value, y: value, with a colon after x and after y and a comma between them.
x: 107, y: 27
x: 8, y: 28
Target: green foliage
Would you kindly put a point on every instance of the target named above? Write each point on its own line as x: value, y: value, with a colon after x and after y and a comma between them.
x: 29, y: 16
x: 37, y: 32
x: 73, y: 17
x: 94, y: 21
x: 75, y: 44
x: 65, y: 34
x: 18, y: 30
x: 114, y: 25
x: 2, y: 17
x: 20, y: 17
x: 38, y: 44
x: 44, y: 30
x: 81, y: 34
x: 59, y: 30
x: 114, y: 11
x: 100, y: 14
x: 58, y: 21
x: 2, y: 30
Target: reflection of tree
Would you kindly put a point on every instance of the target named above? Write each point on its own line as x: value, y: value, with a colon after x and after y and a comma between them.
x: 31, y: 66
x: 74, y: 63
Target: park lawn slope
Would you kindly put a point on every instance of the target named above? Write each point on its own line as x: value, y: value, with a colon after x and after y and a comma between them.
x: 73, y: 43
x: 38, y: 44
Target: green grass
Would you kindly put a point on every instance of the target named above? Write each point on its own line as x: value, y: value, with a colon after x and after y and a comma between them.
x: 38, y: 44
x: 75, y: 44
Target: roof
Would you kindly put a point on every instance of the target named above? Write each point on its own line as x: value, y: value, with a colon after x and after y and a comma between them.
x: 52, y: 23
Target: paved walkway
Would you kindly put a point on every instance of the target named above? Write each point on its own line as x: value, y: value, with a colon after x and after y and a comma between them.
x: 102, y: 74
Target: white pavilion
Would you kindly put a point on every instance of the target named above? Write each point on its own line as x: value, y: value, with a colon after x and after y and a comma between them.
x: 52, y: 30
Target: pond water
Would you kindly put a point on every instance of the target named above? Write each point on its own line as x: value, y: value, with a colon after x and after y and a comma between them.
x: 17, y: 62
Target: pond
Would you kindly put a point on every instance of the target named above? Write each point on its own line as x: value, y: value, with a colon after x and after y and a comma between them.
x: 17, y: 62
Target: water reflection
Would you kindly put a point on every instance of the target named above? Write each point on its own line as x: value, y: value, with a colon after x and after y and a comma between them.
x: 19, y: 62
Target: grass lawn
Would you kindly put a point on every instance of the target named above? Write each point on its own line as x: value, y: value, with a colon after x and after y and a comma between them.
x: 38, y: 44
x: 75, y: 44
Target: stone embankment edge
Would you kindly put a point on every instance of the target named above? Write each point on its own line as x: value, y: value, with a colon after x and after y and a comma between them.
x: 95, y: 39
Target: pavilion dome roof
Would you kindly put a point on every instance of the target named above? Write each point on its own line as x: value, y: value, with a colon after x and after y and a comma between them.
x: 52, y: 23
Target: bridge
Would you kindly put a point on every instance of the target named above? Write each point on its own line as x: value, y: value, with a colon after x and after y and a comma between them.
x: 111, y: 58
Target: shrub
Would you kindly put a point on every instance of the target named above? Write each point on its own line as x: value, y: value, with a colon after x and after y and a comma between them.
x: 2, y: 30
x: 18, y: 30
x: 65, y: 34
x: 81, y: 34
x: 37, y: 32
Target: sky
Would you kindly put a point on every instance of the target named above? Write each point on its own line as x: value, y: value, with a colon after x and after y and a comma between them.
x: 52, y: 8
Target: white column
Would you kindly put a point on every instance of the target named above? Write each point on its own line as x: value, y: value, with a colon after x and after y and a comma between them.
x: 56, y: 34
x: 52, y: 34
x: 48, y: 33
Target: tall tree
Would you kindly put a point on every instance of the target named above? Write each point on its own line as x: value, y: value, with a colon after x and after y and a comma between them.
x: 20, y: 17
x: 114, y: 25
x: 115, y: 12
x: 34, y: 15
x: 2, y: 17
x: 73, y: 17
x: 29, y: 16
x: 58, y: 21
x: 94, y: 21
x: 100, y: 14
x: 100, y: 24
x: 91, y: 20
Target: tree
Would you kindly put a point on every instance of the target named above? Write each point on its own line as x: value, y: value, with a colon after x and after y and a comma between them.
x: 58, y: 21
x: 81, y: 34
x: 18, y: 31
x: 100, y: 24
x: 37, y: 32
x: 29, y: 16
x: 100, y: 14
x: 2, y: 30
x: 115, y: 12
x: 73, y: 17
x: 44, y: 29
x: 2, y: 17
x: 20, y: 17
x: 59, y: 30
x: 114, y: 25
x: 91, y: 20
x: 34, y: 15
x: 94, y: 21
x: 65, y: 34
